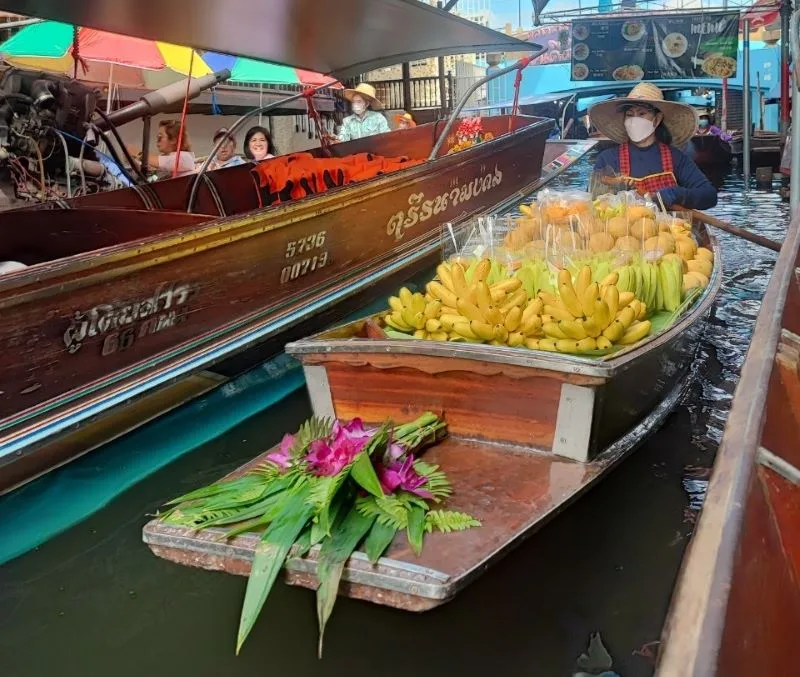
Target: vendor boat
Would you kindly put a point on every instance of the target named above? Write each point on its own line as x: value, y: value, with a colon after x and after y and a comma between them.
x: 736, y: 608
x: 709, y: 150
x: 129, y: 292
x: 529, y: 432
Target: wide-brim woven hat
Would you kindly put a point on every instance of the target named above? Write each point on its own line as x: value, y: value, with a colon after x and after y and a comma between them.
x: 608, y: 116
x: 366, y: 91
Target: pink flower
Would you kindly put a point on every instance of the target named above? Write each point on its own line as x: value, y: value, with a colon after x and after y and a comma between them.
x: 396, y: 450
x: 282, y: 457
x: 330, y: 459
x: 398, y: 475
x: 353, y: 430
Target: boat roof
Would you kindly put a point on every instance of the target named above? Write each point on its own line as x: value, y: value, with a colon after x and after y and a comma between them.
x: 345, y: 38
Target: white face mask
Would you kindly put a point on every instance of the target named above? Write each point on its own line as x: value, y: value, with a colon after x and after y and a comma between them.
x: 639, y: 128
x: 359, y: 107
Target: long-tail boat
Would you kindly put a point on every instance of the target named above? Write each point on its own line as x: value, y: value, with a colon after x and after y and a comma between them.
x: 129, y: 291
x: 529, y: 432
x: 736, y: 608
x: 709, y: 150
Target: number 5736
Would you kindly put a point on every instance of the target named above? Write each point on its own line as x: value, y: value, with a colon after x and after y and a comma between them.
x: 305, y: 244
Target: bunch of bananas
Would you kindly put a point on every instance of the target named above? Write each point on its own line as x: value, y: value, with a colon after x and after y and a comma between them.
x: 587, y: 316
x: 414, y: 313
x: 659, y: 285
x: 500, y: 314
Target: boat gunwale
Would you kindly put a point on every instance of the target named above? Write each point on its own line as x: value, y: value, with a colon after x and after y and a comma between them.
x: 222, y: 230
x: 606, y: 367
x: 693, y: 632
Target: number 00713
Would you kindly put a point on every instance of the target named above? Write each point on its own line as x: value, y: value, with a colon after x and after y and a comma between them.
x: 303, y: 267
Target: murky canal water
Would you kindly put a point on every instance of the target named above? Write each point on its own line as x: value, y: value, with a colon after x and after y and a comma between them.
x: 94, y: 602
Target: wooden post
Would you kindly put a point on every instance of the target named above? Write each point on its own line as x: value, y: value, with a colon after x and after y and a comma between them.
x: 407, y: 104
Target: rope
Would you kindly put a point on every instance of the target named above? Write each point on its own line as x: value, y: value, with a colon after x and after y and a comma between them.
x: 324, y: 141
x: 183, y: 118
x: 522, y: 64
x: 76, y: 51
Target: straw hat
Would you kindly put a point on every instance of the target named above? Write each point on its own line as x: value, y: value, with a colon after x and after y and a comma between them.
x: 366, y: 91
x: 680, y: 119
x: 407, y: 117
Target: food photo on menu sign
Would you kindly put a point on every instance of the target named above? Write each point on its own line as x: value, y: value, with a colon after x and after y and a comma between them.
x: 652, y: 48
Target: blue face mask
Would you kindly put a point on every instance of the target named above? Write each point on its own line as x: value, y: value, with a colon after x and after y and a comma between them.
x: 703, y: 124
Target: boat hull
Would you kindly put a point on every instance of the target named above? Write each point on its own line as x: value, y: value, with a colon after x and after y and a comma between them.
x: 709, y: 150
x: 529, y: 432
x: 97, y: 329
x: 736, y: 607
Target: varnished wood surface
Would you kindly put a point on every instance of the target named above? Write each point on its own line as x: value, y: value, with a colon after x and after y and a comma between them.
x: 232, y: 268
x: 736, y: 609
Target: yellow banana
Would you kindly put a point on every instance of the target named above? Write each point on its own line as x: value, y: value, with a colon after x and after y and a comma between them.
x: 420, y: 334
x: 534, y: 307
x: 464, y: 329
x: 583, y: 280
x: 515, y: 339
x: 443, y: 273
x: 448, y: 310
x: 548, y: 318
x: 558, y: 312
x: 497, y: 296
x: 481, y: 271
x: 568, y: 296
x: 611, y: 297
x: 526, y: 210
x: 395, y: 303
x: 433, y: 325
x: 625, y: 298
x: 406, y: 297
x: 446, y: 296
x: 626, y: 316
x: 614, y: 331
x: 412, y: 319
x: 602, y: 313
x: 500, y: 333
x: 470, y: 310
x: 588, y: 299
x: 532, y: 325
x: 439, y: 335
x: 567, y: 346
x: 636, y: 333
x: 586, y: 345
x: 642, y: 311
x: 483, y: 297
x: 482, y: 330
x: 460, y: 285
x: 572, y: 329
x: 547, y: 344
x: 516, y: 299
x: 603, y: 343
x: 513, y: 319
x: 432, y: 310
x: 418, y: 303
x: 552, y: 330
x: 532, y: 343
x: 547, y: 298
x: 611, y: 279
x: 449, y: 320
x: 400, y: 326
x: 508, y: 285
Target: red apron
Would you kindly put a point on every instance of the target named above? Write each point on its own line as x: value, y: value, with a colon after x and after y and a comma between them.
x: 653, y: 182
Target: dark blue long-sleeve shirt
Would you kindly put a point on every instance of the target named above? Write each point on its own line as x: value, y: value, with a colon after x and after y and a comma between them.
x: 694, y: 189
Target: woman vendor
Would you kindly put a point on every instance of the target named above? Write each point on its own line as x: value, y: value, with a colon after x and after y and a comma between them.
x: 649, y: 131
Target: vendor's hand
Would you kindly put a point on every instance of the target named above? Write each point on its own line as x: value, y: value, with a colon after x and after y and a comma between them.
x: 669, y: 196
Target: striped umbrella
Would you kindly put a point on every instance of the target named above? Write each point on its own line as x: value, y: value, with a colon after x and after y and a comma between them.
x: 250, y: 70
x: 103, y: 57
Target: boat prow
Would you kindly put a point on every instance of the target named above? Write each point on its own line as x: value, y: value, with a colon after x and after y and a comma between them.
x: 529, y: 432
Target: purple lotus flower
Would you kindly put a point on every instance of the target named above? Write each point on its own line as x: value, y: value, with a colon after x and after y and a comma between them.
x: 326, y: 459
x: 396, y: 475
x: 354, y: 430
x: 396, y: 451
x: 282, y: 457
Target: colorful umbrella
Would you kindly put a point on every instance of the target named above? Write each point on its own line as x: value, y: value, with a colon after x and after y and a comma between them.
x: 250, y: 70
x: 103, y: 57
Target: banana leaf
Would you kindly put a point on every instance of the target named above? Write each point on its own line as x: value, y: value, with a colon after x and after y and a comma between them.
x: 378, y: 540
x: 335, y: 552
x: 394, y: 334
x: 416, y: 528
x: 269, y: 558
x: 363, y: 473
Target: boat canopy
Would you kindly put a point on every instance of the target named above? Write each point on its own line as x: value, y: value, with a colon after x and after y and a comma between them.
x: 342, y: 38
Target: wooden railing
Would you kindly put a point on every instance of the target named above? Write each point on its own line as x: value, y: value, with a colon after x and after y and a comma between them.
x: 425, y: 92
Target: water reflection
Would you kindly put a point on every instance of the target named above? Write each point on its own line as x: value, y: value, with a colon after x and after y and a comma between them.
x: 94, y: 601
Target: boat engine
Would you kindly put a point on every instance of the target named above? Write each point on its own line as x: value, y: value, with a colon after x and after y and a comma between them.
x: 43, y: 117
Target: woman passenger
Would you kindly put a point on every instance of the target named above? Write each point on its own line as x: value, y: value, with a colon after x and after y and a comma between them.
x: 649, y: 131
x: 258, y: 145
x: 167, y: 145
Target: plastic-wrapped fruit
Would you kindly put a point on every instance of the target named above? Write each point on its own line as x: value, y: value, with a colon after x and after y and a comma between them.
x: 531, y: 227
x: 663, y: 243
x: 601, y: 242
x: 618, y: 226
x: 628, y: 243
x: 535, y: 249
x: 685, y: 248
x: 636, y: 212
x: 644, y: 228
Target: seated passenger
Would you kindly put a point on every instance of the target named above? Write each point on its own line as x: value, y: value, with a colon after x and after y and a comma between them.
x: 167, y: 145
x: 405, y: 121
x: 258, y: 145
x: 226, y: 155
x: 363, y: 122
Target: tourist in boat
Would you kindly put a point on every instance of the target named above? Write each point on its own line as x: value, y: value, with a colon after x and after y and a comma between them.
x: 405, y: 121
x: 258, y: 144
x: 226, y: 155
x: 649, y: 131
x: 706, y: 126
x: 167, y: 139
x: 365, y: 119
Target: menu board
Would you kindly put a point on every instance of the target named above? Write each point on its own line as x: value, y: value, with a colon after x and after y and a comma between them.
x: 656, y: 47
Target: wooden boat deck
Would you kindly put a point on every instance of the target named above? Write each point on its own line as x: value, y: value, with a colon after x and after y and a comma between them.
x: 529, y: 432
x: 736, y: 608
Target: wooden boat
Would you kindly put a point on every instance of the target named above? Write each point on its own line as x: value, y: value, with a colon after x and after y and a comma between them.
x: 765, y: 148
x: 709, y: 150
x: 736, y: 608
x: 529, y: 433
x: 127, y: 293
